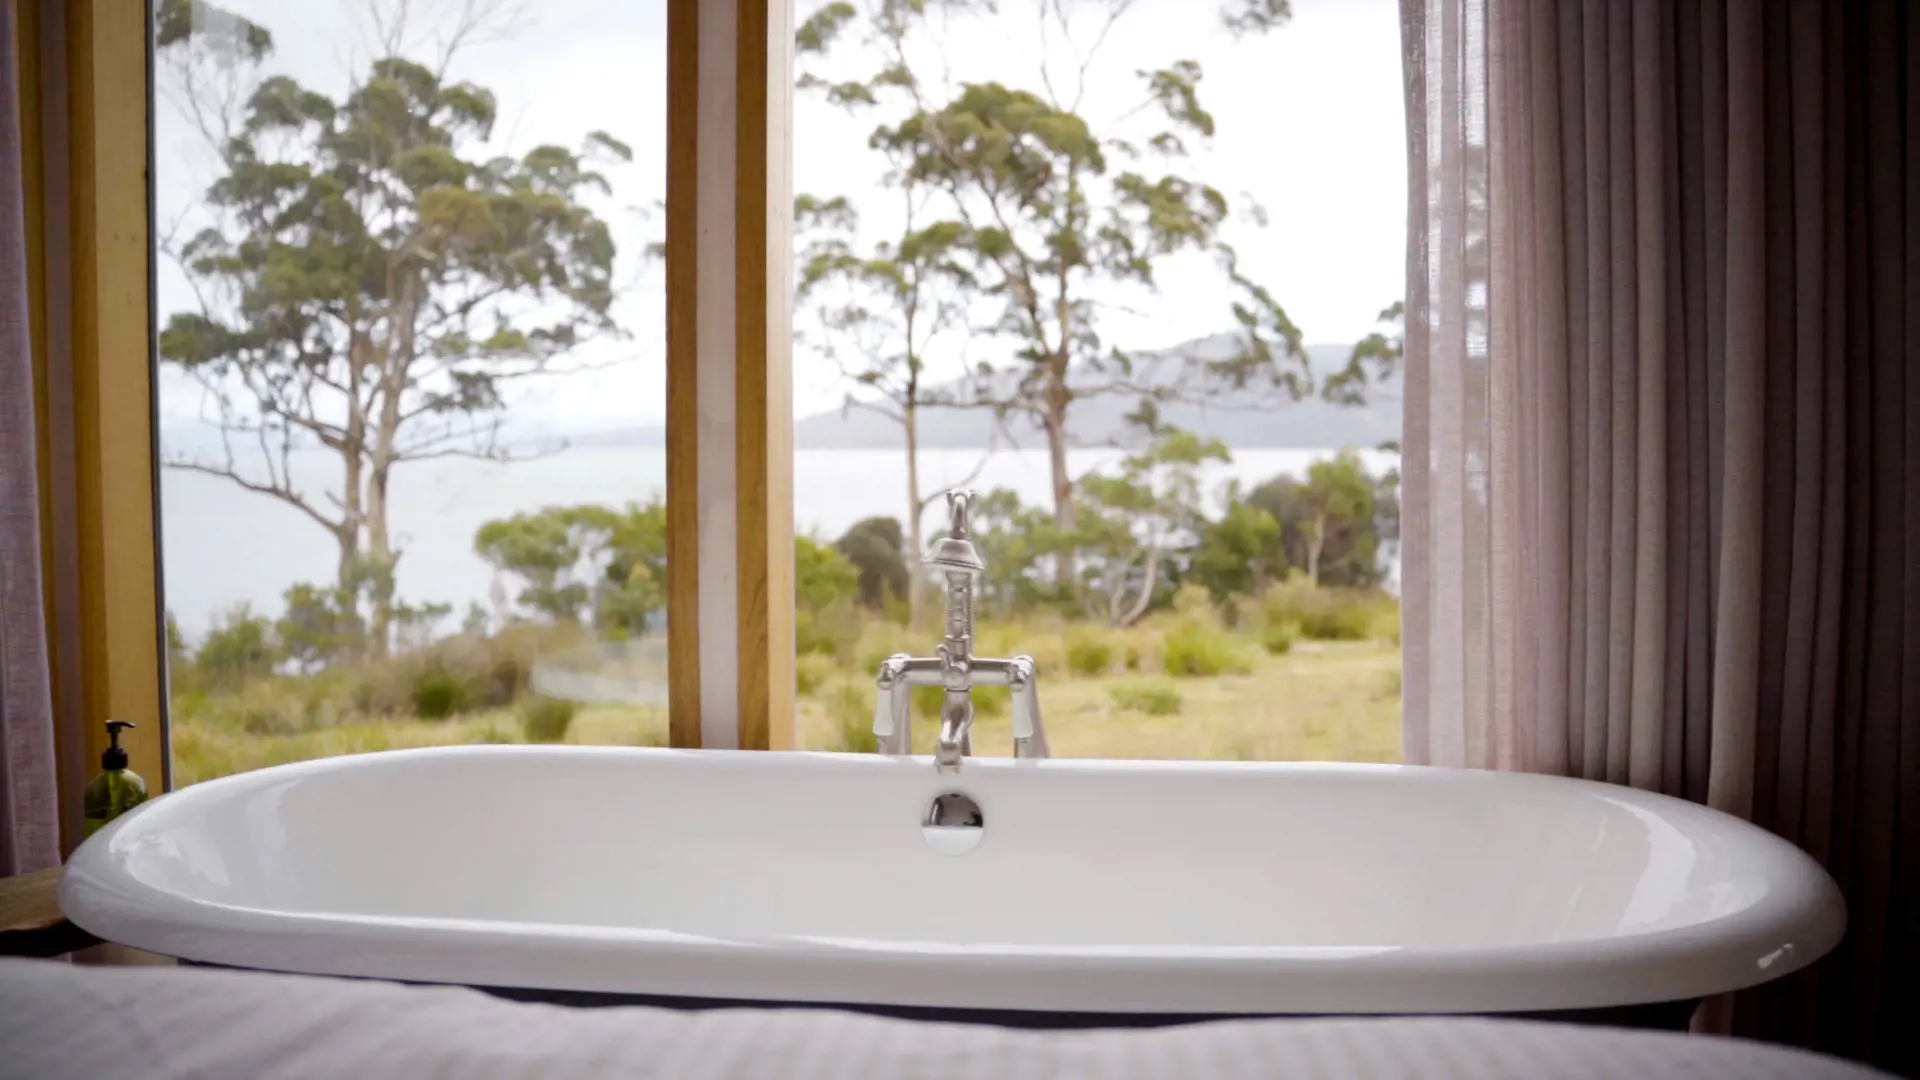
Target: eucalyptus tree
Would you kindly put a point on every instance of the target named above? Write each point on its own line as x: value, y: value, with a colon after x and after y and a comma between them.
x: 1056, y: 207
x: 370, y: 275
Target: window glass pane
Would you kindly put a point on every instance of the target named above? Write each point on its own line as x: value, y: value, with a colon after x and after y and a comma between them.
x: 1131, y: 271
x: 411, y: 374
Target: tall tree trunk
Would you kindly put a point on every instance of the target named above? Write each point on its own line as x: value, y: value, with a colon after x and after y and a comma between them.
x: 380, y: 560
x: 1152, y: 579
x: 347, y: 534
x: 910, y: 525
x: 1316, y: 540
x: 1055, y: 425
x: 397, y: 359
x: 353, y: 450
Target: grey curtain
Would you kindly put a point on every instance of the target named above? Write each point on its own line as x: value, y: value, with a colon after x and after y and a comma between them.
x: 1663, y: 432
x: 29, y: 815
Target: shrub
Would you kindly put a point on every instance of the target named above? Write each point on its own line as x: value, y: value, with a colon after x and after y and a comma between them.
x: 1278, y: 637
x: 1333, y: 614
x: 834, y: 630
x: 240, y: 647
x: 1088, y: 651
x: 811, y: 671
x: 438, y: 694
x: 545, y: 719
x: 1151, y: 698
x: 877, y: 641
x: 987, y: 701
x: 1193, y: 649
x: 850, y: 707
x: 1039, y: 637
x: 1338, y: 621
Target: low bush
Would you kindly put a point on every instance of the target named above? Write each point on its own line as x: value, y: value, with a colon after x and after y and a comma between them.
x: 987, y: 701
x: 1333, y: 614
x: 1089, y: 651
x: 1277, y: 638
x: 811, y: 671
x: 850, y: 706
x: 1192, y: 649
x: 545, y: 719
x: 1336, y: 622
x: 1151, y: 698
x: 438, y: 694
x: 835, y: 630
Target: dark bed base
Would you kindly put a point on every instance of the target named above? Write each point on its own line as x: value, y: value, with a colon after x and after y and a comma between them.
x: 1652, y: 1016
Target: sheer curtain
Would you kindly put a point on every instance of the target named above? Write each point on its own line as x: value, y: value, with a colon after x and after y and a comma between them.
x: 1663, y: 432
x: 29, y: 816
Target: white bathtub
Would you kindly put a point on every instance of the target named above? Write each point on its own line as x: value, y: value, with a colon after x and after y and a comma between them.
x: 1097, y: 886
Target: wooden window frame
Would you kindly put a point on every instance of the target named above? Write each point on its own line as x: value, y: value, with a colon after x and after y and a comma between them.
x: 85, y: 71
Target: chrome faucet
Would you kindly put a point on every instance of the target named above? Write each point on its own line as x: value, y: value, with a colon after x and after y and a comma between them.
x: 954, y: 667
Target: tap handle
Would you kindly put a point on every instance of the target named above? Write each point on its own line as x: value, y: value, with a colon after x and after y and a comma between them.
x: 958, y: 502
x: 1026, y: 697
x: 893, y: 685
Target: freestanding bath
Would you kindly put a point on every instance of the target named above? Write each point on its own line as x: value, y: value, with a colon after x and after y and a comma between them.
x: 1098, y: 891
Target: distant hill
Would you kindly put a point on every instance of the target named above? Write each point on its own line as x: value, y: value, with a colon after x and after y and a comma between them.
x: 1246, y: 420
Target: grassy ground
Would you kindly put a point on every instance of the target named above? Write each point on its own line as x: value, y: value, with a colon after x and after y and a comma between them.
x: 1331, y: 701
x: 1322, y: 701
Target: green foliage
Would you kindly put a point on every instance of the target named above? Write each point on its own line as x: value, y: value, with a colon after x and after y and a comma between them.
x: 1129, y: 523
x: 1332, y: 614
x: 544, y: 547
x: 826, y: 586
x: 1380, y: 351
x: 1244, y: 17
x: 372, y: 272
x: 850, y: 708
x: 830, y: 631
x: 545, y: 719
x: 319, y: 627
x: 1192, y: 649
x: 438, y: 694
x: 821, y: 575
x: 1151, y: 698
x: 584, y: 563
x: 1019, y: 201
x: 238, y: 648
x: 1089, y: 652
x: 1012, y: 537
x: 1240, y: 551
x: 1278, y: 637
x: 873, y: 546
x: 1328, y: 521
x: 987, y: 701
x: 811, y: 671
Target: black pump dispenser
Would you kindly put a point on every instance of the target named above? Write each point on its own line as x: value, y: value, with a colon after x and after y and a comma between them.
x: 114, y: 757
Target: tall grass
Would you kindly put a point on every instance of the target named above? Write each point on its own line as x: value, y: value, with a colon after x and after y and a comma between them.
x: 1247, y: 688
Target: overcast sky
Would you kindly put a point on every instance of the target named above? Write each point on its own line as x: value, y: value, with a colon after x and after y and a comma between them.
x: 1310, y: 126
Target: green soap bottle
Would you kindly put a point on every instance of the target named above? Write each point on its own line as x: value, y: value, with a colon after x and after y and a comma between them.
x: 117, y: 789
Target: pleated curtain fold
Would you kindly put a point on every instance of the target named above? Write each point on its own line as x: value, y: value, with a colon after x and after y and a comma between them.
x: 1662, y: 453
x: 29, y: 811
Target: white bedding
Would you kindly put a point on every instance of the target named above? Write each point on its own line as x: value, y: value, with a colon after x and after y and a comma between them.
x: 58, y: 1020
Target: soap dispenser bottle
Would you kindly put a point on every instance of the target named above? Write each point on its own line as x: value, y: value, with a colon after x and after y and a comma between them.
x: 117, y: 789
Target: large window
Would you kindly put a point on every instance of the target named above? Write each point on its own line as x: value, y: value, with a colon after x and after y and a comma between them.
x: 1132, y: 271
x: 410, y: 383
